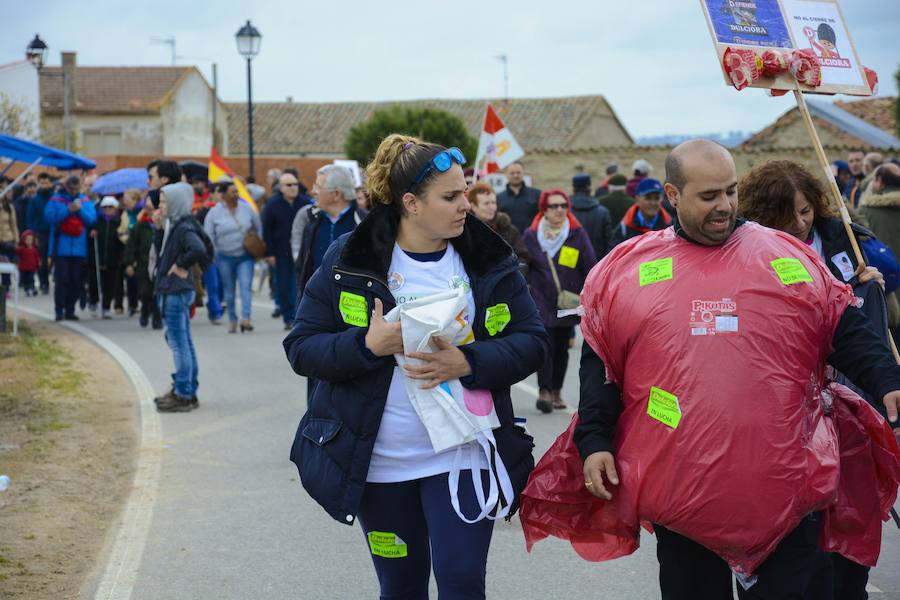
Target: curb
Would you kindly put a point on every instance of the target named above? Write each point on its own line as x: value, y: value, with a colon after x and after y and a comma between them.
x: 116, y: 582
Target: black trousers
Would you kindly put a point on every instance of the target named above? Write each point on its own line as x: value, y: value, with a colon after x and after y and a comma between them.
x: 149, y: 307
x: 837, y: 577
x: 68, y: 279
x: 551, y: 375
x: 689, y: 571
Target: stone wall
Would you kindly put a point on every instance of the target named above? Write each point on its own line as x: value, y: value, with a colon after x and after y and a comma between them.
x: 555, y: 169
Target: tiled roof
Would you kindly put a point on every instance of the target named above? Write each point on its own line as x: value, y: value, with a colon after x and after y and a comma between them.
x: 111, y: 90
x: 877, y: 111
x: 289, y: 128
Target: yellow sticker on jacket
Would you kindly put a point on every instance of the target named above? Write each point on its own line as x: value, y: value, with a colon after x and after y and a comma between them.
x: 386, y: 545
x: 790, y: 271
x: 353, y: 309
x: 496, y: 318
x: 655, y: 271
x: 568, y: 257
x: 664, y: 407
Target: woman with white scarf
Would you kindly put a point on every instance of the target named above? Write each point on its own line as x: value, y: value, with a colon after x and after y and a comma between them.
x: 560, y: 258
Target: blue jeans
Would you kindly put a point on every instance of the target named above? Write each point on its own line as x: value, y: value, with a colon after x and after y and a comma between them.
x: 176, y: 309
x: 212, y: 281
x: 286, y: 280
x: 419, y: 513
x: 236, y: 269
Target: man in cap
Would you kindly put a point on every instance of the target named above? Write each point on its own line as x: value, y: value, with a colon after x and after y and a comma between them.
x: 640, y: 170
x: 843, y: 177
x: 617, y: 202
x: 646, y: 215
x: 594, y: 218
x: 70, y: 214
x: 603, y: 188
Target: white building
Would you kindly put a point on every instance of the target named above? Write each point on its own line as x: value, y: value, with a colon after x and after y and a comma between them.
x: 149, y: 111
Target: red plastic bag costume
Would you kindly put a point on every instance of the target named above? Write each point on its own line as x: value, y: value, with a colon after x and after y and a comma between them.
x: 719, y: 353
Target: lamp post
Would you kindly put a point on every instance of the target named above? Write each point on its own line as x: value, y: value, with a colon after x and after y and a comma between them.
x: 36, y: 53
x: 248, y: 40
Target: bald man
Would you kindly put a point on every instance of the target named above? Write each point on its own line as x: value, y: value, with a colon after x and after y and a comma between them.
x: 701, y: 183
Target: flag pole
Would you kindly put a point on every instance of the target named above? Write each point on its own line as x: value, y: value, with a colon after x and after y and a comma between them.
x: 835, y: 192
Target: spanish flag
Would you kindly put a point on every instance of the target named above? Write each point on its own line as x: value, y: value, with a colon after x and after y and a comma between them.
x: 218, y: 167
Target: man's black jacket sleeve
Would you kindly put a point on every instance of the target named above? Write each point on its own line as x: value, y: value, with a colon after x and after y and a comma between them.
x: 599, y: 407
x: 864, y: 357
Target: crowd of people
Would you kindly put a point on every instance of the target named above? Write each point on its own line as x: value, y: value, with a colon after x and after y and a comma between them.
x: 338, y: 257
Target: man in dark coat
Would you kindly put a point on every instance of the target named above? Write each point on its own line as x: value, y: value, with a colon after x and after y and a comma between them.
x: 616, y: 201
x: 518, y: 200
x: 277, y: 219
x: 594, y: 218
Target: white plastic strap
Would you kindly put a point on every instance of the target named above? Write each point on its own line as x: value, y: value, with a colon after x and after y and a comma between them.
x: 499, y: 479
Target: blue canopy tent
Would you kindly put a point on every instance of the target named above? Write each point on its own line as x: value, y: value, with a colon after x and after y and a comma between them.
x: 19, y: 150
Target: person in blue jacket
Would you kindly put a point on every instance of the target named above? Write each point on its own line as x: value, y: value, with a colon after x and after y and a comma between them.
x: 70, y: 214
x: 360, y: 449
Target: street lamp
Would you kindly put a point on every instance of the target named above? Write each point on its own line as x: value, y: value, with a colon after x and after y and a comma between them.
x: 248, y: 40
x: 36, y: 53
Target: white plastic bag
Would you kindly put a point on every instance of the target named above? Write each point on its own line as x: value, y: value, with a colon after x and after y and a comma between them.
x: 455, y: 417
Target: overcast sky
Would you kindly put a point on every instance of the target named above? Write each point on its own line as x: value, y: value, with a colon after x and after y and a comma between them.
x: 652, y: 59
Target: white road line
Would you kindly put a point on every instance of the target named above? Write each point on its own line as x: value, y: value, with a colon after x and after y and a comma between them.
x: 118, y: 578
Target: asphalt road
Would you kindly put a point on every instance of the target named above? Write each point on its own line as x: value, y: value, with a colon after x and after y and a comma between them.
x: 231, y: 520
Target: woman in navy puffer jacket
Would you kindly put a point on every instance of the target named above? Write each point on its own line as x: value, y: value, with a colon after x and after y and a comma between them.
x: 360, y: 449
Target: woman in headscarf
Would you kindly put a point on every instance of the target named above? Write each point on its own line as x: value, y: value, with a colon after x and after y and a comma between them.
x: 560, y: 258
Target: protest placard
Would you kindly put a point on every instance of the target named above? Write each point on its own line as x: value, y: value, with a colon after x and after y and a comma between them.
x: 816, y: 26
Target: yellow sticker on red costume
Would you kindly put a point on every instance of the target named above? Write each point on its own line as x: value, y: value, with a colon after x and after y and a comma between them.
x: 568, y: 257
x: 655, y: 271
x: 790, y: 271
x: 664, y: 407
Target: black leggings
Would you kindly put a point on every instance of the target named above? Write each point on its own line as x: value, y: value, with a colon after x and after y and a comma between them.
x: 552, y: 374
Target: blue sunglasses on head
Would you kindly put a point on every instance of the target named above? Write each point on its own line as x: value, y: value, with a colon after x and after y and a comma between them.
x: 442, y: 161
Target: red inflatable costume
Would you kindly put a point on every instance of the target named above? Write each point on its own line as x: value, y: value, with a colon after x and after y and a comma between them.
x: 720, y: 355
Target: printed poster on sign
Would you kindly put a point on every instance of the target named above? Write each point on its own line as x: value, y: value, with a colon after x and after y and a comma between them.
x: 783, y: 26
x: 748, y: 23
x: 819, y: 25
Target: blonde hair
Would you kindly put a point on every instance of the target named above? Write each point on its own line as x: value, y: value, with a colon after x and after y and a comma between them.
x: 398, y: 161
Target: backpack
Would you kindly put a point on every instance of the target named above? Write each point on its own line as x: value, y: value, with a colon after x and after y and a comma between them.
x: 882, y: 258
x: 207, y: 261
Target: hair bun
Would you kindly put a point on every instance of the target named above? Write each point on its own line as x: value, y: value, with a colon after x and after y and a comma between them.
x: 379, y: 170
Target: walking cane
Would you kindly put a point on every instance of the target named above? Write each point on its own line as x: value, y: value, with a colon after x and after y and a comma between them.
x: 97, y: 270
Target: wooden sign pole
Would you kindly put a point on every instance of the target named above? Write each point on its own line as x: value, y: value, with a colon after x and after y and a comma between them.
x: 835, y: 193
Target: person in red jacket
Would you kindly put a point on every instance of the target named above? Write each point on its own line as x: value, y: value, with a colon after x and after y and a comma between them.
x: 29, y: 261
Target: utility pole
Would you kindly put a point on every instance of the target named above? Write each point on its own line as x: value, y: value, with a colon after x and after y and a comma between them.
x: 215, y: 100
x: 505, y: 60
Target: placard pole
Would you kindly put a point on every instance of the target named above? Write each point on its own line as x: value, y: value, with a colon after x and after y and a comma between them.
x: 835, y: 193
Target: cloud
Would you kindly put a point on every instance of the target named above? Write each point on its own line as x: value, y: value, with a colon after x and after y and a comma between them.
x: 655, y: 64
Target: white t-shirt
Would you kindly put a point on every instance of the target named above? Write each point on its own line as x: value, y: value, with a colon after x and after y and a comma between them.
x: 402, y: 450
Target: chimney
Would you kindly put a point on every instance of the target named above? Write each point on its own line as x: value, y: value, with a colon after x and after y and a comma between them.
x: 68, y: 67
